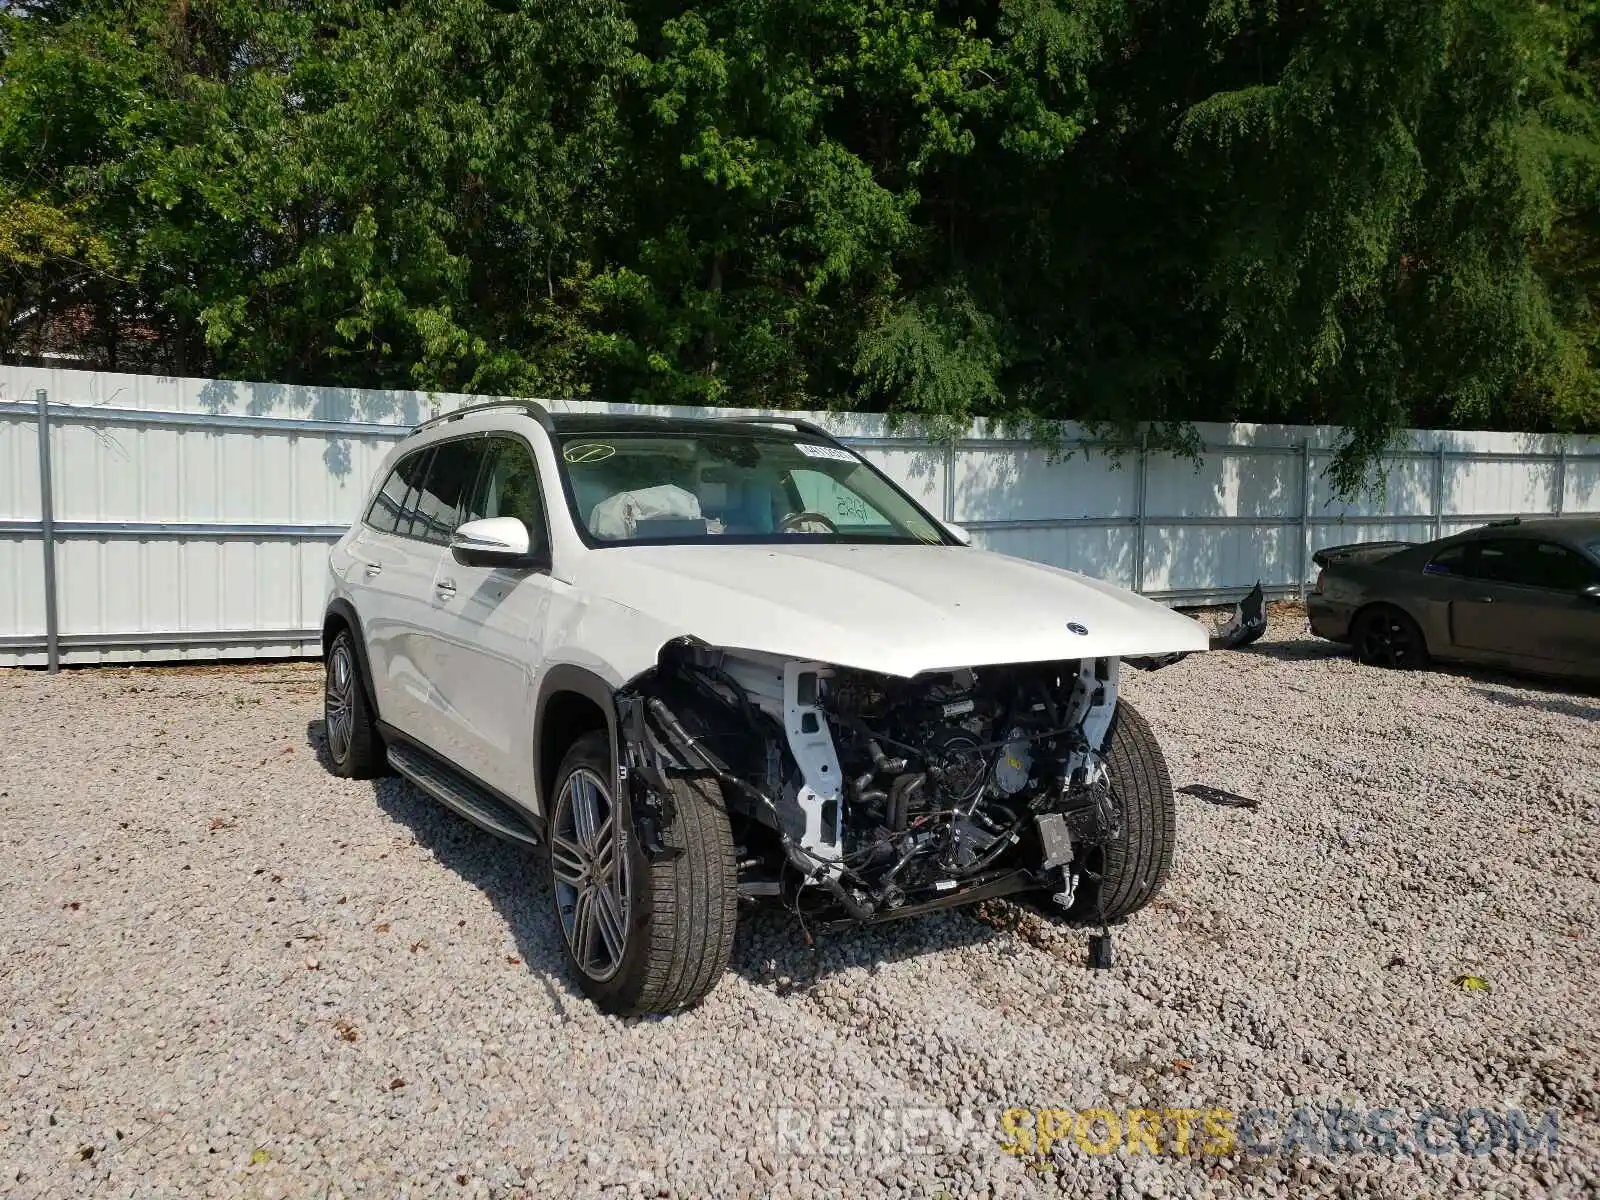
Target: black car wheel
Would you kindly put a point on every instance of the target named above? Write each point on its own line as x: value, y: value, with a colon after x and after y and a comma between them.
x: 354, y: 747
x: 1127, y: 873
x: 1386, y: 637
x: 642, y: 934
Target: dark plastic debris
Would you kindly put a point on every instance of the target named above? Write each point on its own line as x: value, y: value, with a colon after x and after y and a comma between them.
x: 1099, y: 951
x: 1248, y: 623
x: 1217, y: 796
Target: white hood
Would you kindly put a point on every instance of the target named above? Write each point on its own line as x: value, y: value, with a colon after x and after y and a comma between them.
x: 897, y: 610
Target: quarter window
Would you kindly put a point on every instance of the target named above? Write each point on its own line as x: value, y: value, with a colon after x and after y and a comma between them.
x: 391, y: 509
x: 1450, y: 561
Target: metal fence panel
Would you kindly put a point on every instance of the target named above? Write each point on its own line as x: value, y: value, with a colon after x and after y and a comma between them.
x: 193, y: 515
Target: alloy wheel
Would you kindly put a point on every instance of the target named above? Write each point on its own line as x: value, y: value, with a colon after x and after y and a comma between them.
x: 589, y: 869
x: 339, y: 700
x: 1387, y: 641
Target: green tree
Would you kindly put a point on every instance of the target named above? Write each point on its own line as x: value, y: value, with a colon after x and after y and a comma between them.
x: 1135, y: 213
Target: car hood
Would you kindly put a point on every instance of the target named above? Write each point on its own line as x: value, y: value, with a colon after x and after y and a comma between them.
x: 897, y: 610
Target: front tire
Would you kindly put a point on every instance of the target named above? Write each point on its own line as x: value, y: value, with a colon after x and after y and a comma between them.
x: 640, y: 936
x: 354, y: 745
x: 1134, y: 867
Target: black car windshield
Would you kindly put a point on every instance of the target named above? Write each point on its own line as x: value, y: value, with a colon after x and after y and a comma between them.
x: 685, y: 485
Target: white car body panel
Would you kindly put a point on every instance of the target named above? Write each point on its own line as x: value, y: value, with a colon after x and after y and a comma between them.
x: 898, y: 610
x: 461, y: 672
x: 394, y: 576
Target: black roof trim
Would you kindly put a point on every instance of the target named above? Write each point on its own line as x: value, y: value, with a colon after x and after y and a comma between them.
x: 531, y: 407
x: 592, y: 422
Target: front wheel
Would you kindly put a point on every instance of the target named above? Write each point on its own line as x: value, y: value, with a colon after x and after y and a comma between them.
x: 641, y: 936
x: 1134, y: 866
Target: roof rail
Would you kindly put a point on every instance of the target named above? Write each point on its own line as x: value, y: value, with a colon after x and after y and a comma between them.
x: 531, y: 407
x: 1501, y: 523
x: 796, y: 422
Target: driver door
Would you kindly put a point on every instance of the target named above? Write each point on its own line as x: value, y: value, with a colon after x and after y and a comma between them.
x: 490, y: 623
x: 1522, y: 606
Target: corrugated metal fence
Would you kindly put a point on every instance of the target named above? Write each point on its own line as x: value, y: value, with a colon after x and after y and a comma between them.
x: 190, y: 518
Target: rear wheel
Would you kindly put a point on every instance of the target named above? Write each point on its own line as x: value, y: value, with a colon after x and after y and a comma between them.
x: 1134, y: 866
x: 354, y: 746
x: 640, y: 935
x: 1383, y: 636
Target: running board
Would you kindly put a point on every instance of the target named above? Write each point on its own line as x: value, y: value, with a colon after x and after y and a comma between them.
x: 471, y: 801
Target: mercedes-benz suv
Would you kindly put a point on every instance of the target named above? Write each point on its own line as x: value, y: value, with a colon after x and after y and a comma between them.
x: 706, y: 662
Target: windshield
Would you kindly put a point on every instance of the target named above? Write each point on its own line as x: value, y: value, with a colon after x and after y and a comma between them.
x: 734, y: 485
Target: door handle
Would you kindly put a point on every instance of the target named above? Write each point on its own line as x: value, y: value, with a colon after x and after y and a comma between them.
x: 1485, y: 599
x: 445, y: 588
x: 374, y: 569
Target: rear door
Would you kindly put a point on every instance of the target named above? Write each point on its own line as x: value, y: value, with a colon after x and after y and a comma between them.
x: 387, y: 584
x: 1521, y: 605
x: 429, y: 657
x: 490, y: 623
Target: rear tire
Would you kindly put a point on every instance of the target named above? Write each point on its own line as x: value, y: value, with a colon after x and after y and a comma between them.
x: 1384, y: 636
x: 354, y: 745
x: 1134, y: 867
x: 677, y: 915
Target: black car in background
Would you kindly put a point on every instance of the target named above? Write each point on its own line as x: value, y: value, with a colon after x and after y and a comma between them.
x: 1520, y: 594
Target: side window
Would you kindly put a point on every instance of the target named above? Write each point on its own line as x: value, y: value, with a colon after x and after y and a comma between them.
x: 1501, y: 562
x: 822, y: 493
x: 1450, y: 561
x: 1528, y: 563
x: 509, y: 487
x: 450, y: 478
x: 397, y: 497
x: 1555, y: 567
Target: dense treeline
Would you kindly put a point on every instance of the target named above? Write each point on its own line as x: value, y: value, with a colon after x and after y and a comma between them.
x: 1364, y: 212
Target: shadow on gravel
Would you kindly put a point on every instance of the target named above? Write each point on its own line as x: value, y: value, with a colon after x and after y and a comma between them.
x: 1299, y: 650
x: 1569, y: 704
x: 770, y: 951
x: 507, y: 874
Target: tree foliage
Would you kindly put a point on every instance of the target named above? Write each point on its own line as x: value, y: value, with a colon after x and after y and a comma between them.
x: 1371, y: 213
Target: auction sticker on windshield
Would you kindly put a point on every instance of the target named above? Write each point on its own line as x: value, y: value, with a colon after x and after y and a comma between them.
x: 588, y: 452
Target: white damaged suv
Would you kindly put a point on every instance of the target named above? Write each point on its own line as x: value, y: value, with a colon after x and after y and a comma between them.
x: 706, y: 662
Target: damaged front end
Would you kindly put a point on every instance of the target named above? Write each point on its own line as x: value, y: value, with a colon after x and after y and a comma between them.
x: 864, y: 797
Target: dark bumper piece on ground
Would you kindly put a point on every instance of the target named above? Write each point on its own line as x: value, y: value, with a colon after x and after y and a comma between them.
x: 1248, y: 623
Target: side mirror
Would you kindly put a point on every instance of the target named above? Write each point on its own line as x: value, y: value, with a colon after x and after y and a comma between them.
x: 494, y: 542
x: 960, y: 534
x: 1592, y: 592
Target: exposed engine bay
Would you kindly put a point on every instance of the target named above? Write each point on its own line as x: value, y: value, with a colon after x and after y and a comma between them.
x: 864, y: 797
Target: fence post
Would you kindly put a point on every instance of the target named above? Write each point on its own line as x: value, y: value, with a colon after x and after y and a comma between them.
x: 47, y: 524
x: 1438, y: 490
x: 950, y: 479
x: 1561, y: 479
x: 1305, y: 517
x: 1138, y: 514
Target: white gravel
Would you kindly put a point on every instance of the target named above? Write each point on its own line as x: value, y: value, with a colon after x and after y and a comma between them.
x: 224, y: 971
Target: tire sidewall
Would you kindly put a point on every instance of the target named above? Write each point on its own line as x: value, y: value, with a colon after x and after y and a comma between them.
x: 344, y: 644
x: 623, y: 989
x: 1385, y: 613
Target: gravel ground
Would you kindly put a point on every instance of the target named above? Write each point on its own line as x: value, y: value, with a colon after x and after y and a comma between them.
x: 226, y: 972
